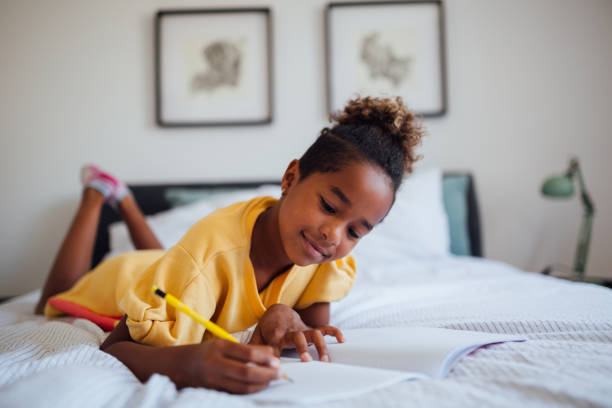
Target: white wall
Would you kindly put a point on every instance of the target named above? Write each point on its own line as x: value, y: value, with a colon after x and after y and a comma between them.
x: 529, y: 84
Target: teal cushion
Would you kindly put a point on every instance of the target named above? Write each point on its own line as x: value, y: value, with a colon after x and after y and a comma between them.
x: 454, y: 192
x: 177, y: 196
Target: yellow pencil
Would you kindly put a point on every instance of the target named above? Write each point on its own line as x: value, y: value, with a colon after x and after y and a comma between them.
x: 210, y: 326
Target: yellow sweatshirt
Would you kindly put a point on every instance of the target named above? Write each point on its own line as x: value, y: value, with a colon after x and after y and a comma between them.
x: 209, y: 270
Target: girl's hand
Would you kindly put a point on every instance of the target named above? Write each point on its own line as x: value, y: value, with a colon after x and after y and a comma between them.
x: 223, y: 365
x: 281, y: 327
x: 301, y: 339
x: 216, y: 363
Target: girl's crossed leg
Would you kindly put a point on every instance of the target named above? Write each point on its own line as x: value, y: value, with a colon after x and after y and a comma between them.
x: 73, y: 259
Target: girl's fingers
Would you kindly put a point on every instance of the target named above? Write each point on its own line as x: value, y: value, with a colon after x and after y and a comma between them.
x: 248, y: 374
x: 261, y: 355
x: 316, y: 336
x: 278, y: 336
x: 301, y: 339
x: 332, y: 331
x: 301, y: 345
x: 238, y: 386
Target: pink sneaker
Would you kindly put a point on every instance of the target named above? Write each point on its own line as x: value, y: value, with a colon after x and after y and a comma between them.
x: 112, y: 188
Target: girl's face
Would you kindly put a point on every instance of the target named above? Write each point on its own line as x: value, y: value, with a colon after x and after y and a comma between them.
x: 322, y: 217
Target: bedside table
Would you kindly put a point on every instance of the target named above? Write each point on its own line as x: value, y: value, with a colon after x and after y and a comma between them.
x: 572, y: 276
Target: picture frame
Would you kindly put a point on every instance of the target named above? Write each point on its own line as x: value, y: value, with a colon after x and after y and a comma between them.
x: 213, y: 67
x: 387, y: 49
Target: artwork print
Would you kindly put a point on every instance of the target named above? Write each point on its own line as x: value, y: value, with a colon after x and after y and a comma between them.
x: 387, y: 59
x: 387, y: 49
x: 220, y: 66
x: 214, y: 67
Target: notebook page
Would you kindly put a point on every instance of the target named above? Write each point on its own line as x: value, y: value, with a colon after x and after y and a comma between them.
x: 317, y: 382
x: 430, y: 351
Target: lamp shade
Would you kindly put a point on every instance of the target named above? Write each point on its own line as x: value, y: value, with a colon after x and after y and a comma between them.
x: 558, y: 187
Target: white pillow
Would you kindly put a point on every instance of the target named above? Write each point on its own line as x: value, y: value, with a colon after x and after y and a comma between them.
x: 170, y: 226
x: 417, y: 224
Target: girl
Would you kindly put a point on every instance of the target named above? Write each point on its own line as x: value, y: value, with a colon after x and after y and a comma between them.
x: 274, y: 263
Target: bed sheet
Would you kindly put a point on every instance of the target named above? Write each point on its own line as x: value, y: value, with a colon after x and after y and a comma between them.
x: 567, y: 360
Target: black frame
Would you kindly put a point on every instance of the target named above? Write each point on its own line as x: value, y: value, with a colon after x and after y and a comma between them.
x: 443, y: 81
x: 158, y: 76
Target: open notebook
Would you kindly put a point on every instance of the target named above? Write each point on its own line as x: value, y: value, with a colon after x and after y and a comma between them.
x: 374, y: 358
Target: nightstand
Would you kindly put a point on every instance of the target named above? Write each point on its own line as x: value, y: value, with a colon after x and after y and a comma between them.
x: 557, y: 273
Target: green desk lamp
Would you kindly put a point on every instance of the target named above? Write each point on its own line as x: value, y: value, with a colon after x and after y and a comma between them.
x: 562, y: 186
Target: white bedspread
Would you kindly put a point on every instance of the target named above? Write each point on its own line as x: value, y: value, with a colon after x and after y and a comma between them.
x: 567, y: 360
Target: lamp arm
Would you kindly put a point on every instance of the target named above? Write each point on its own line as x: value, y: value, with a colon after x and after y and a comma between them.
x: 584, y: 236
x: 582, y: 250
x: 589, y: 207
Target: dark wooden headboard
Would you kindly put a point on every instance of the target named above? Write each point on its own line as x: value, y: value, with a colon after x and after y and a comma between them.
x: 152, y: 199
x: 474, y: 224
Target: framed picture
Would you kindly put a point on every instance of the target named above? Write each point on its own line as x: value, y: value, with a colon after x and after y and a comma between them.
x: 213, y: 67
x: 390, y: 48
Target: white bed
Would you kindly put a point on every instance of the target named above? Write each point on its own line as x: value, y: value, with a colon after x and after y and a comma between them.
x: 567, y: 360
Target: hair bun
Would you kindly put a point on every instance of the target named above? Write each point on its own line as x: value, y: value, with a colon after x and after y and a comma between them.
x: 391, y: 116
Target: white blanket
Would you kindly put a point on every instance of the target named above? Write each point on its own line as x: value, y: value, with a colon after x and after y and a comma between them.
x: 567, y: 360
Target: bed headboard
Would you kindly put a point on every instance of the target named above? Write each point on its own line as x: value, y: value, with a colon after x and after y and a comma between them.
x: 152, y: 199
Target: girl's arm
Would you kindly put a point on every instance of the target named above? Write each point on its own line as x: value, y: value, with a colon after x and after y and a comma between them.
x: 316, y: 314
x: 217, y: 363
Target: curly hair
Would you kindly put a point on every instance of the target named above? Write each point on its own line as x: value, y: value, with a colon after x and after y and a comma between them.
x: 381, y: 131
